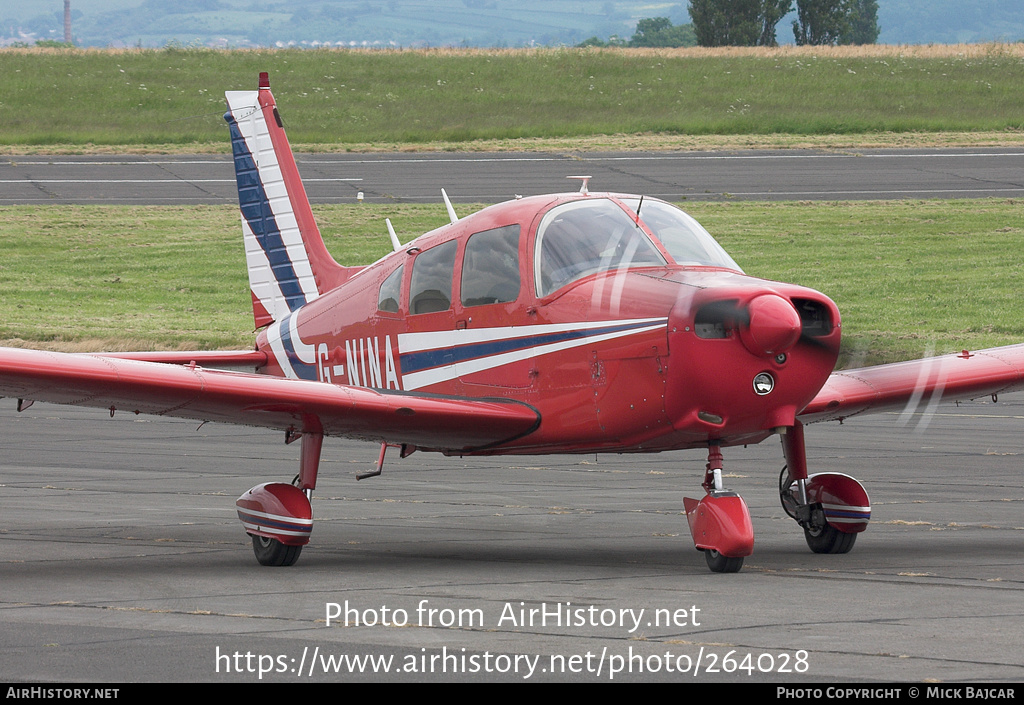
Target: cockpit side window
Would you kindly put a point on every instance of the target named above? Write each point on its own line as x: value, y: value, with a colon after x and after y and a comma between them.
x: 682, y: 236
x: 431, y: 287
x: 390, y: 291
x: 490, y: 267
x: 584, y: 237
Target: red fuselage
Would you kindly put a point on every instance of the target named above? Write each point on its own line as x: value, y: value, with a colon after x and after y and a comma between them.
x: 609, y: 326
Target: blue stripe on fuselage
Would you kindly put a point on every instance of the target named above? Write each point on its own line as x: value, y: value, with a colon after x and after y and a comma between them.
x: 303, y: 370
x: 417, y: 361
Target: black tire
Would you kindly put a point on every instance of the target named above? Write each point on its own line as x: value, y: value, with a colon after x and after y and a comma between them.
x: 829, y: 540
x: 722, y: 564
x: 274, y: 553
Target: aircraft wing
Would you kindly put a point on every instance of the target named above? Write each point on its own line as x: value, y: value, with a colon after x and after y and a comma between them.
x: 918, y: 383
x: 190, y: 391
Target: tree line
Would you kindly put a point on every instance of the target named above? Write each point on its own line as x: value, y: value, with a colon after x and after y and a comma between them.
x: 753, y: 23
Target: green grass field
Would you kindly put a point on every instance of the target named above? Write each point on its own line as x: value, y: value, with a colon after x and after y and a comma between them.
x: 330, y: 97
x: 907, y: 275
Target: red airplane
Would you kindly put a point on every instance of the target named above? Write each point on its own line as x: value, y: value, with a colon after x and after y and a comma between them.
x: 567, y: 323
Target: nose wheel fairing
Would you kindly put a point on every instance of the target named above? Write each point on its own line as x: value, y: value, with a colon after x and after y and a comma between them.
x: 720, y: 521
x: 721, y: 528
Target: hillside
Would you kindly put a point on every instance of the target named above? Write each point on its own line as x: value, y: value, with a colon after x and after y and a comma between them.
x: 372, y: 23
x: 444, y: 23
x: 949, y: 21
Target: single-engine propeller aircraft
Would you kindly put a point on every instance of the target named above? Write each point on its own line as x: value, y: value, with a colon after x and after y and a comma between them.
x: 568, y: 323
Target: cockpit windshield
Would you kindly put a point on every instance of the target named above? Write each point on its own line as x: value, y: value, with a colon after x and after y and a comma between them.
x: 683, y: 237
x: 584, y: 237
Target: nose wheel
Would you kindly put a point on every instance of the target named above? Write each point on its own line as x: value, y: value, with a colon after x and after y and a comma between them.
x: 722, y: 564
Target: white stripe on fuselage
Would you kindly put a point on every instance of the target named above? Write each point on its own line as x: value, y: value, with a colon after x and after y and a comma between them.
x: 418, y: 342
x: 304, y: 352
x: 436, y: 340
x: 450, y: 340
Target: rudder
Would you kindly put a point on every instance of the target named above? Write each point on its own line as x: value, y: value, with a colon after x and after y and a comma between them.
x: 288, y: 263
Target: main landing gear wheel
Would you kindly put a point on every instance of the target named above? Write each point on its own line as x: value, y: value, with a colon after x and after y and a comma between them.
x: 722, y: 564
x: 828, y: 539
x: 274, y: 553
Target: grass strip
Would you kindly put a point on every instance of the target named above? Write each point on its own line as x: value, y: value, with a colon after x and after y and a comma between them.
x: 908, y: 276
x: 340, y: 97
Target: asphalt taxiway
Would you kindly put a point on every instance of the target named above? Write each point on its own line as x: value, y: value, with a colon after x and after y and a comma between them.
x: 121, y: 560
x: 760, y: 175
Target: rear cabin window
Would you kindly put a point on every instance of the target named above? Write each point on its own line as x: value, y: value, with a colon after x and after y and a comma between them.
x: 390, y: 291
x: 490, y: 267
x: 431, y: 287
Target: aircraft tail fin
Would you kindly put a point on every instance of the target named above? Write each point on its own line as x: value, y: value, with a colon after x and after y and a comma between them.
x: 289, y: 265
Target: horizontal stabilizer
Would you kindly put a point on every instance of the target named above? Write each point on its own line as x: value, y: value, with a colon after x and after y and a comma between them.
x: 239, y: 360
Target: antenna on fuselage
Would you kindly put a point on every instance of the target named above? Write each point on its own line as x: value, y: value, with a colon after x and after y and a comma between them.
x: 583, y: 186
x: 394, y: 238
x: 448, y: 204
